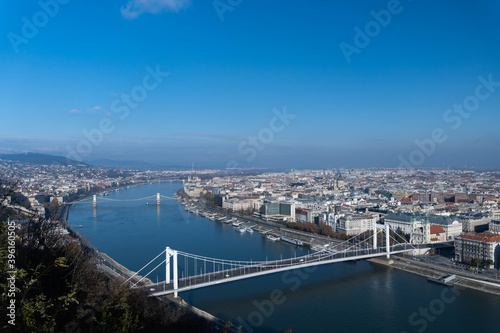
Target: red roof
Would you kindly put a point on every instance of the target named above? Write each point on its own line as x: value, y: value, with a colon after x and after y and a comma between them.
x: 483, y: 237
x: 436, y: 229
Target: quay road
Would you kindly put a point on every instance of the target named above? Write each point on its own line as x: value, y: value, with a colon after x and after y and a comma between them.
x: 445, y: 263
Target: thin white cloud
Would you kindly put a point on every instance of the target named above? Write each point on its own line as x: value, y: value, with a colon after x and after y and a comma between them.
x: 95, y: 108
x: 75, y: 111
x: 9, y: 151
x: 47, y: 150
x: 134, y: 8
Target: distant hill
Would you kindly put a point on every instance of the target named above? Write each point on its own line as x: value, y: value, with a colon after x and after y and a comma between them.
x: 42, y: 159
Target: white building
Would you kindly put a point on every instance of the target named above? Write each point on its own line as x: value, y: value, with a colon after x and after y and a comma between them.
x: 59, y: 199
x: 236, y: 205
x: 494, y: 226
x: 353, y: 224
x: 484, y: 246
x: 402, y: 223
x: 399, y: 222
x: 193, y: 191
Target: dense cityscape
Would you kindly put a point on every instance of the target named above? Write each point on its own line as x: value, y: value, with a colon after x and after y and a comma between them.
x: 453, y: 213
x: 424, y: 205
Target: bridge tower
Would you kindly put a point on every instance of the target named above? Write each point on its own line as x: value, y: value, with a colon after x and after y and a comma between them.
x: 158, y: 199
x: 94, y: 201
x: 387, y: 247
x: 172, y: 253
x: 387, y: 235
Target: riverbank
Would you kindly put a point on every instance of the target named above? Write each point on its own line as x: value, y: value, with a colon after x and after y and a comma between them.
x: 262, y: 226
x: 433, y: 271
x: 309, y: 239
x: 115, y: 270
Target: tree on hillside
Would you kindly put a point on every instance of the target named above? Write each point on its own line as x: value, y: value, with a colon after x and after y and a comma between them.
x: 17, y: 198
x: 54, y: 209
x: 60, y: 289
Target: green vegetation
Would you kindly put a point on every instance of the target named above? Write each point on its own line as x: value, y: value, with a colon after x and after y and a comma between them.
x: 209, y: 199
x: 325, y: 230
x: 54, y: 209
x: 477, y: 262
x: 20, y: 200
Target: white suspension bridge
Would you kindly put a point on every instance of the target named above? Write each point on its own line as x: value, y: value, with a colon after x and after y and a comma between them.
x: 185, y: 271
x: 95, y: 199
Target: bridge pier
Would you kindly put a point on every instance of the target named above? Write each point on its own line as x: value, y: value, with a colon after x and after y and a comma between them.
x: 158, y: 199
x: 375, y: 236
x: 94, y: 201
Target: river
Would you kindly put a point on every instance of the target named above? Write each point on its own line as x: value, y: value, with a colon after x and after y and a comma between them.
x: 344, y: 297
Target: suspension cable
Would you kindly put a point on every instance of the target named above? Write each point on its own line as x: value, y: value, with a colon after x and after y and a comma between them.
x: 145, y: 266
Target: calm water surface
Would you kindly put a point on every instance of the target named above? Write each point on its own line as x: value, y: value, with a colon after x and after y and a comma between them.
x: 343, y: 297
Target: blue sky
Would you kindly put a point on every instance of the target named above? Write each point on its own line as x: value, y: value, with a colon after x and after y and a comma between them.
x: 226, y: 76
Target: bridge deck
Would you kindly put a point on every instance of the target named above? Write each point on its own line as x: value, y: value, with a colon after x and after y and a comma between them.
x: 229, y: 275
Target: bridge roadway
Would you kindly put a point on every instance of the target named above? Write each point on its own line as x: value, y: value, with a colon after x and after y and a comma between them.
x: 229, y: 275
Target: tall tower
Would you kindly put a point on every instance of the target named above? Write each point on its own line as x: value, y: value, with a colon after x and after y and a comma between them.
x: 339, y: 182
x: 413, y: 228
x: 427, y: 230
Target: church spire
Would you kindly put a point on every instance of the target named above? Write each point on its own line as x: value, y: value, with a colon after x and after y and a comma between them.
x: 413, y: 217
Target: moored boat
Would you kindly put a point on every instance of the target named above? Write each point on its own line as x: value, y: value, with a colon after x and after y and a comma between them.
x: 240, y: 229
x: 273, y: 237
x: 292, y: 241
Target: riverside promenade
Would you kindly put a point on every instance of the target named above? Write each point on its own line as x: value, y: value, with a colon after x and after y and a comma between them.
x: 465, y: 280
